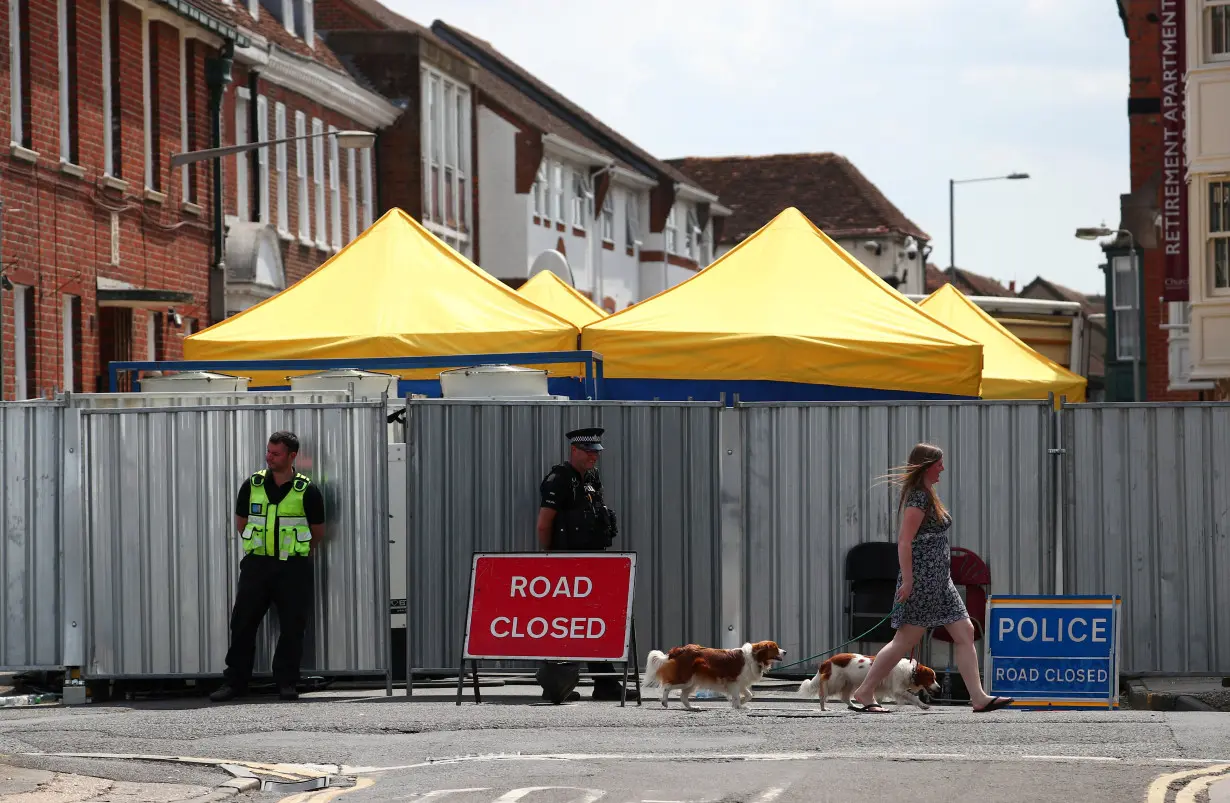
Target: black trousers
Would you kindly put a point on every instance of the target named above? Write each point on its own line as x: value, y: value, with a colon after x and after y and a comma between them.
x: 287, y: 584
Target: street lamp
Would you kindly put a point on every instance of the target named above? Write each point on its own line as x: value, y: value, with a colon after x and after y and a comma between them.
x: 952, y: 236
x: 345, y: 139
x: 1092, y: 233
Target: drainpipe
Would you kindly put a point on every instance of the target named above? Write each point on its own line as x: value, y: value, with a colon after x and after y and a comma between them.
x: 254, y: 157
x: 217, y: 77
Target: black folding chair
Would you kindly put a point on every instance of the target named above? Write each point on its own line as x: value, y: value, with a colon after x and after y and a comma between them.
x: 871, y: 581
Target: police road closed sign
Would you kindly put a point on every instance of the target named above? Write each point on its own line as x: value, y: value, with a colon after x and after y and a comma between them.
x: 564, y: 606
x: 1054, y: 651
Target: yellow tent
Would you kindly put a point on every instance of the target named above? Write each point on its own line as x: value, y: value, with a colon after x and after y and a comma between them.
x: 553, y: 293
x: 786, y: 314
x: 394, y: 291
x: 1010, y: 368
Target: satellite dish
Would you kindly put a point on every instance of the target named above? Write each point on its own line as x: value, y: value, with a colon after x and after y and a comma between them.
x: 555, y: 262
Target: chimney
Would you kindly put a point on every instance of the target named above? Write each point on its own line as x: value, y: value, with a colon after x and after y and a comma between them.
x: 1012, y: 286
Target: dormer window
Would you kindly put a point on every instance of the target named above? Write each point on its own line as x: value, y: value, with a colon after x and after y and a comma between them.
x: 298, y: 17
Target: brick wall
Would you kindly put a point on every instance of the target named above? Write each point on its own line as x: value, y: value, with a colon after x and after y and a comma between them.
x: 1145, y: 66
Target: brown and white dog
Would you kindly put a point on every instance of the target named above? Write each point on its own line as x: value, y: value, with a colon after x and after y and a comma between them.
x: 844, y: 672
x: 729, y: 672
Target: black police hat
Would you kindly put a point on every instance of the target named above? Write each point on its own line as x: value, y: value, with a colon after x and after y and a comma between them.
x: 589, y: 438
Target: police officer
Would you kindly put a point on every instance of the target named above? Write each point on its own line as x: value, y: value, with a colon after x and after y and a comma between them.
x: 573, y: 516
x: 279, y: 514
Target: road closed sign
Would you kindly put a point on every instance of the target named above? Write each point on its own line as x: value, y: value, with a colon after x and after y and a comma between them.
x: 1054, y: 651
x: 564, y: 606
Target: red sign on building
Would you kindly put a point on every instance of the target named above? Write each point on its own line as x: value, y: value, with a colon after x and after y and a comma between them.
x: 1174, y: 153
x: 560, y: 606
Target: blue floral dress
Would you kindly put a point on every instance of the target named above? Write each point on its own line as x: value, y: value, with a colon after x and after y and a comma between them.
x: 934, y: 601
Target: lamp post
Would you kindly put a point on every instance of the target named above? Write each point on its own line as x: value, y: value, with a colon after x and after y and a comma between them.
x: 952, y: 236
x: 345, y: 139
x: 1092, y: 233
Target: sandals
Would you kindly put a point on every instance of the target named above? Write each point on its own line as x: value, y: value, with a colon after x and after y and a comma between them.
x: 995, y: 704
x: 874, y: 708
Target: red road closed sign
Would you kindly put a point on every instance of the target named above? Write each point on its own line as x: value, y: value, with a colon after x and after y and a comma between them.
x: 559, y: 606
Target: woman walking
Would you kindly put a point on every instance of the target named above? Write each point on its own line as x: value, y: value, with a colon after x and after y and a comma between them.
x: 925, y: 589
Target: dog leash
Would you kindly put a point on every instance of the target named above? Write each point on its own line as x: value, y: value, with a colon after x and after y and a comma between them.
x: 839, y: 646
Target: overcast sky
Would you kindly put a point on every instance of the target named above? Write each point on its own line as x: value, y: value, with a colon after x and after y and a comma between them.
x: 913, y: 92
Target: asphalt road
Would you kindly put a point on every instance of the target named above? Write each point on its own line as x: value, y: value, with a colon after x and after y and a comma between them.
x: 779, y: 749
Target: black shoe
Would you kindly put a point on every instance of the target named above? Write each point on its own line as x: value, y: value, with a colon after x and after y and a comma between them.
x: 572, y: 697
x: 613, y: 691
x: 226, y: 692
x: 288, y: 692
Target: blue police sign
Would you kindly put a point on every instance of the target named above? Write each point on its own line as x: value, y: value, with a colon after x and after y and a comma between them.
x: 1054, y: 651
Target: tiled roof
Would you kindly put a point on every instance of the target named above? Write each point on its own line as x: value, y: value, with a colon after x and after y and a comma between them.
x: 1044, y: 288
x: 969, y: 283
x: 825, y: 187
x: 591, y: 128
x: 273, y: 31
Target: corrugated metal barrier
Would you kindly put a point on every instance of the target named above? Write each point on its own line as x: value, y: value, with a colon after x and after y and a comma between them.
x: 161, y: 552
x: 813, y: 488
x: 474, y: 486
x: 31, y: 441
x: 1147, y: 516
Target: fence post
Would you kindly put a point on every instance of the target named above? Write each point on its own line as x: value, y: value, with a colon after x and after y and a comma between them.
x: 730, y: 482
x: 1056, y: 470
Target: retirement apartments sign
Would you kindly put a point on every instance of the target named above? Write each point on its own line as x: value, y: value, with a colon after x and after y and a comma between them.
x: 1174, y: 184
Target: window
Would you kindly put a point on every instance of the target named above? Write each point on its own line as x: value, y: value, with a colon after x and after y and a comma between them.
x: 301, y: 174
x: 540, y: 190
x: 24, y: 329
x: 20, y: 110
x: 1219, y: 233
x: 1124, y: 305
x: 305, y: 21
x: 1217, y: 27
x: 706, y: 254
x: 72, y: 343
x: 152, y: 86
x: 113, y: 140
x: 579, y: 199
x: 279, y: 132
x: 557, y: 192
x: 241, y: 159
x: 262, y: 156
x: 188, y: 78
x: 672, y: 232
x: 445, y: 131
x: 367, y: 188
x: 352, y: 190
x: 67, y: 10
x: 608, y: 216
x: 318, y: 179
x: 632, y: 227
x: 694, y: 236
x: 335, y: 190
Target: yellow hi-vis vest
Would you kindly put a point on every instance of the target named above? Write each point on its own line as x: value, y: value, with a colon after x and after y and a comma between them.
x: 294, y: 537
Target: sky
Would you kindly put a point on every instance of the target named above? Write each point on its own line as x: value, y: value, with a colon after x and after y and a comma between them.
x: 913, y: 92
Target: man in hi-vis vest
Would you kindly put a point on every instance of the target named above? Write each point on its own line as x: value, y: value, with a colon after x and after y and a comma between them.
x: 280, y: 516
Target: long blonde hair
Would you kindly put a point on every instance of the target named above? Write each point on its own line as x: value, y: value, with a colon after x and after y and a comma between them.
x: 909, y: 477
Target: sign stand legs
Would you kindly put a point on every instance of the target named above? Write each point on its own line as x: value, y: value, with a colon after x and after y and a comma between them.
x: 461, y: 678
x: 623, y: 698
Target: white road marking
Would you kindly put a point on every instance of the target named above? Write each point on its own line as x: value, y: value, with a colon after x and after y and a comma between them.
x: 438, y: 793
x: 770, y: 795
x: 1161, y: 784
x: 513, y: 795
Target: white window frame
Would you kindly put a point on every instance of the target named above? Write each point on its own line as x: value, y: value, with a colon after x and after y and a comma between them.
x: 262, y: 155
x: 146, y: 22
x: 632, y: 219
x: 367, y: 188
x: 1206, y: 25
x: 20, y: 346
x: 301, y: 172
x: 108, y: 166
x: 335, y: 190
x: 1122, y: 269
x: 1213, y: 238
x: 352, y: 197
x: 254, y: 8
x: 183, y: 114
x: 608, y: 216
x: 670, y: 234
x: 540, y: 190
x: 308, y: 7
x: 279, y: 132
x: 557, y: 192
x: 445, y: 131
x: 318, y: 180
x: 66, y: 145
x: 694, y: 235
x: 17, y: 133
x: 66, y: 326
x: 288, y: 16
x: 579, y: 200
x: 242, y: 195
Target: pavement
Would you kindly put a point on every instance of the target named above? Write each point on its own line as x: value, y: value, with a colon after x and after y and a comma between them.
x: 1195, y: 693
x: 359, y: 745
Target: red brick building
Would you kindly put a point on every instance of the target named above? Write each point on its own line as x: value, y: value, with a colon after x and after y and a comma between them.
x: 107, y: 251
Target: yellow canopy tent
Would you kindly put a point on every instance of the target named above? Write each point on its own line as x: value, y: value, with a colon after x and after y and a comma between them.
x: 1010, y: 368
x: 394, y: 291
x: 785, y: 315
x: 554, y: 294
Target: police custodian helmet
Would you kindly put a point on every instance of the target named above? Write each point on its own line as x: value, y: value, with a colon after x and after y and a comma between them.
x: 589, y: 438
